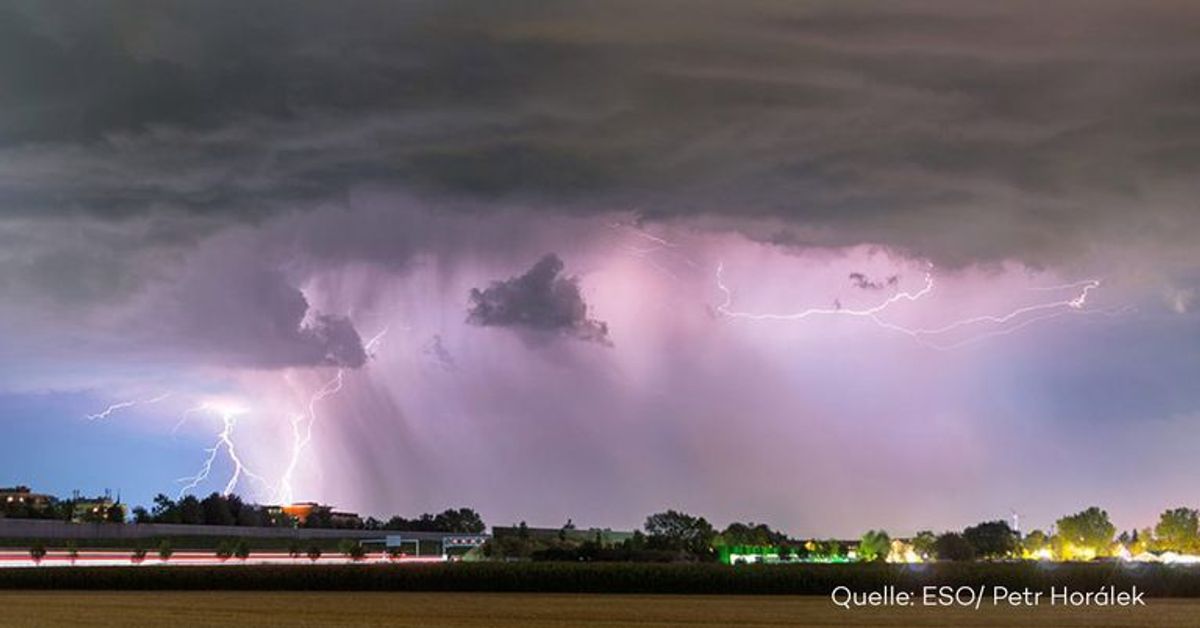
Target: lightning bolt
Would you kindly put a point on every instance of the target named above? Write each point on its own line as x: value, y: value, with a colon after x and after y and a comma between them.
x: 302, y: 424
x: 935, y: 337
x: 228, y: 415
x: 726, y: 308
x: 1008, y: 322
x: 105, y: 413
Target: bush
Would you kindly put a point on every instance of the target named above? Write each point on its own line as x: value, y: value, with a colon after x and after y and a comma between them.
x: 352, y: 549
x: 165, y: 550
x: 137, y: 555
x: 241, y: 549
x: 224, y: 550
x: 37, y: 551
x: 314, y: 552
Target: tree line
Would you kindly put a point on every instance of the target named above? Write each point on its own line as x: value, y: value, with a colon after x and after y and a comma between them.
x: 65, y: 510
x: 232, y: 510
x: 673, y: 536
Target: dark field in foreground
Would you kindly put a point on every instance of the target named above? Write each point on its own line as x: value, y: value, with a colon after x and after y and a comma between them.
x: 45, y: 609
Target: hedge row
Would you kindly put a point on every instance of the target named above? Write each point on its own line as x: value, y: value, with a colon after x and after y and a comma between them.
x: 1156, y: 580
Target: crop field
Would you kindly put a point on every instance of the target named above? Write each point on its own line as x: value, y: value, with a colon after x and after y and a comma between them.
x: 200, y: 609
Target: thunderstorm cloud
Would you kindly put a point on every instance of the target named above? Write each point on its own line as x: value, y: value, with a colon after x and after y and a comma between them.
x: 540, y: 300
x: 225, y: 198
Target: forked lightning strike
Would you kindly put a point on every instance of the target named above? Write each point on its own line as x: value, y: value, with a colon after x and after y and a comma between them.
x: 228, y: 414
x: 302, y: 424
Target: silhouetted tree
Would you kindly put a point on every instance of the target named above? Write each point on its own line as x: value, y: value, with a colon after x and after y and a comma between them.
x: 141, y: 515
x: 165, y: 510
x: 952, y: 546
x: 190, y: 511
x: 679, y: 531
x: 924, y: 544
x: 461, y: 521
x: 991, y: 539
x: 216, y: 511
x: 1178, y: 530
x: 759, y: 534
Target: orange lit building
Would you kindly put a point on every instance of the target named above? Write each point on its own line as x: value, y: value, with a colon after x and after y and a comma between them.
x: 301, y: 511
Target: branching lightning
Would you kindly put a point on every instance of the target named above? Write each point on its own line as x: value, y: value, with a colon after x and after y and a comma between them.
x: 228, y: 414
x: 302, y: 424
x: 726, y: 308
x: 104, y: 414
x: 999, y: 324
x: 957, y: 333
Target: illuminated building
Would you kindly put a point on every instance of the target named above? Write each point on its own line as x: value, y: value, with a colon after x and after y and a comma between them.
x: 91, y: 508
x: 741, y: 554
x: 301, y: 512
x: 22, y: 496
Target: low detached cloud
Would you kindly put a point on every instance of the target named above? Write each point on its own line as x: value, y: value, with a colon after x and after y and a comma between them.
x: 862, y: 282
x: 540, y: 300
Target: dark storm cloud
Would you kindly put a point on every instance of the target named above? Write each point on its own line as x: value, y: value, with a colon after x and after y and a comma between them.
x: 862, y: 282
x: 540, y: 300
x: 960, y: 132
x: 238, y: 311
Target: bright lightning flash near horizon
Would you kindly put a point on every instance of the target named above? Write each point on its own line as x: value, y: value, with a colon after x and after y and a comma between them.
x: 228, y: 413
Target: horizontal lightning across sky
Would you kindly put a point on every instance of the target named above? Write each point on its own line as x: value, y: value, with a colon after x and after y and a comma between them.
x: 993, y: 324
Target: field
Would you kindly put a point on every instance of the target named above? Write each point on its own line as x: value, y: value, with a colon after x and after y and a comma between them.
x: 43, y: 609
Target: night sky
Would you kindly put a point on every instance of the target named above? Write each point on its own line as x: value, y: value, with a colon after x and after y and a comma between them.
x: 832, y: 266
